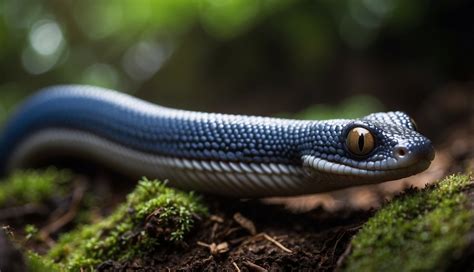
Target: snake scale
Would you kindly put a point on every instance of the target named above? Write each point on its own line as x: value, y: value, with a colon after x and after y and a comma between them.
x: 234, y: 155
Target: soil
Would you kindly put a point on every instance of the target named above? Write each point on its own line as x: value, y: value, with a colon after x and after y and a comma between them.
x: 313, y: 240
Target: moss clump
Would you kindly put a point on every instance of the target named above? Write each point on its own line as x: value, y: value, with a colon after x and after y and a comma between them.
x: 152, y: 215
x: 32, y: 186
x: 421, y: 230
x: 37, y: 263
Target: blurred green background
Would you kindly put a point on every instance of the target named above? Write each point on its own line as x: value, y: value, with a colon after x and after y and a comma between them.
x: 320, y: 58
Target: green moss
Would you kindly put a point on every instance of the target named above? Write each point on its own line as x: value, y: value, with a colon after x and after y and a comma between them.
x: 153, y: 214
x: 32, y: 186
x: 37, y: 263
x: 419, y: 230
x: 31, y: 232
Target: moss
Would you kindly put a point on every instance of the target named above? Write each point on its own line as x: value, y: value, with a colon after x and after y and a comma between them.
x: 153, y: 214
x: 37, y: 263
x: 32, y: 186
x: 419, y: 230
x: 31, y: 232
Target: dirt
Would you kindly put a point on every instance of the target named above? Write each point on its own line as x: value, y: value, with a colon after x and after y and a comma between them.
x: 304, y: 241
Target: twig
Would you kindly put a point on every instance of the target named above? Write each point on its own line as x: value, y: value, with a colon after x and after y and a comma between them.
x: 278, y: 244
x: 343, y: 257
x: 215, y: 248
x: 230, y: 231
x: 213, y: 231
x: 255, y: 266
x: 57, y: 224
x: 216, y: 218
x: 205, y: 261
x: 245, y: 223
x: 203, y: 244
x: 236, y: 266
x: 335, y: 245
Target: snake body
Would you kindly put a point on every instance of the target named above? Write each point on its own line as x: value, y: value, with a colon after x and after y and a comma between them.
x: 236, y: 155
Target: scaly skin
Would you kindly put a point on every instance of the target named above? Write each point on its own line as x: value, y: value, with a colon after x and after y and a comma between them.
x: 241, y: 156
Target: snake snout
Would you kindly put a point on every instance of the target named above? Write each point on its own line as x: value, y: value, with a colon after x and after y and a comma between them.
x: 408, y: 155
x: 425, y: 151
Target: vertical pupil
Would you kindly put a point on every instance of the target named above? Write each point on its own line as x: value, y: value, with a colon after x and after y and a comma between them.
x: 361, y: 142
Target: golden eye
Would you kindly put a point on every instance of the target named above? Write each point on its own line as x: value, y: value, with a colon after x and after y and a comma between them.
x: 360, y: 141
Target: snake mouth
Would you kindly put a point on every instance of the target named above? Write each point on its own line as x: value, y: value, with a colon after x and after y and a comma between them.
x: 317, y: 166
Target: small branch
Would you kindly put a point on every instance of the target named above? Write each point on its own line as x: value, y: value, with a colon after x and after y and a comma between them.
x: 216, y: 218
x: 278, y: 244
x: 57, y: 224
x: 335, y: 245
x: 236, y: 266
x: 343, y: 257
x: 214, y: 230
x: 203, y: 244
x: 230, y: 231
x: 215, y: 248
x: 245, y: 223
x: 255, y: 266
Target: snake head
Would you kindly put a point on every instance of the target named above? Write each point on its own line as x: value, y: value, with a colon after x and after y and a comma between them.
x: 374, y: 148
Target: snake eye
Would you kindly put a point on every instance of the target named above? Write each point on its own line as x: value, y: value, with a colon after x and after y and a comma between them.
x: 360, y: 141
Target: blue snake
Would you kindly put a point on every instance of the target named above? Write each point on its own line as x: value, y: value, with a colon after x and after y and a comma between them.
x: 234, y: 155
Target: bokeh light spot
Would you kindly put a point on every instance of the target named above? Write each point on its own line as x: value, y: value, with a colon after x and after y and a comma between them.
x: 46, y: 37
x: 35, y: 63
x: 144, y: 59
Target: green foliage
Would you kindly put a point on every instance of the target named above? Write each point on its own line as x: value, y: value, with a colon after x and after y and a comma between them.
x: 418, y: 231
x: 152, y: 215
x: 37, y: 263
x: 100, y: 42
x: 32, y: 186
x: 68, y: 29
x: 353, y: 107
x: 31, y: 231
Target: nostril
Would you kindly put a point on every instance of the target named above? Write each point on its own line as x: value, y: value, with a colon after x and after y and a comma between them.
x: 400, y: 152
